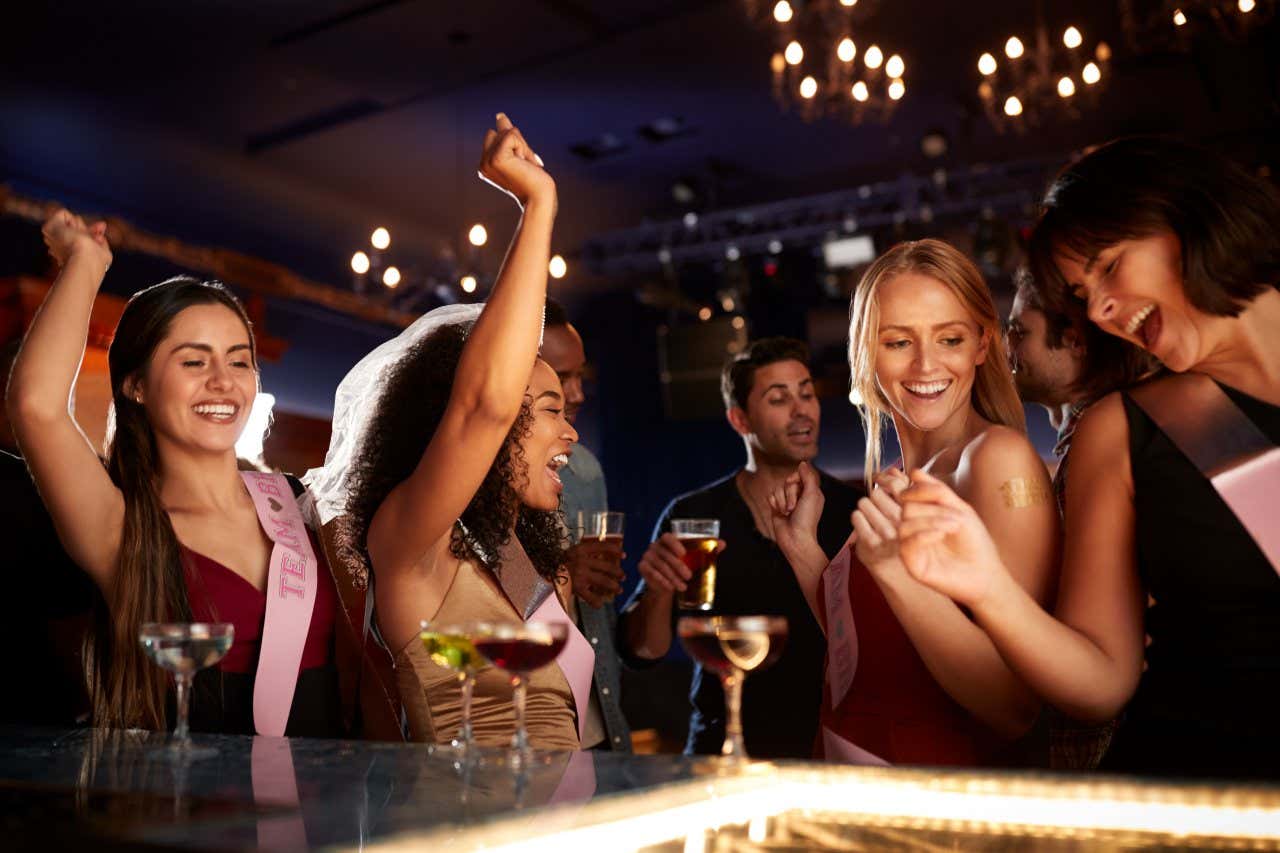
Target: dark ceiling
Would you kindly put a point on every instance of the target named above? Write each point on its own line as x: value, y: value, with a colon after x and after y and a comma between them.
x: 289, y: 128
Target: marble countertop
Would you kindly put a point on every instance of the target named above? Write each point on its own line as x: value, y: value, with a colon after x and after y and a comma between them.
x: 110, y: 789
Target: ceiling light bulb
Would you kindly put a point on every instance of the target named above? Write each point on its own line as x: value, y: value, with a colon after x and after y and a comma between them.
x: 1013, y: 47
x: 468, y: 284
x: 478, y: 235
x: 380, y: 238
x: 895, y: 67
x: 1103, y: 52
x: 782, y: 12
x: 860, y: 91
x: 557, y: 267
x: 1072, y: 38
x: 808, y: 88
x: 848, y: 4
x: 986, y: 91
x: 794, y: 53
x: 1091, y: 74
x: 704, y: 313
x: 1179, y: 19
x: 1066, y: 87
x: 897, y: 89
x: 777, y: 63
x: 987, y: 64
x: 1247, y: 6
x: 391, y: 276
x: 1013, y: 107
x: 846, y: 50
x: 873, y: 57
x: 360, y: 263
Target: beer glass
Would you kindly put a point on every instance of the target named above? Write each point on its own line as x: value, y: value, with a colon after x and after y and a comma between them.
x: 699, y: 536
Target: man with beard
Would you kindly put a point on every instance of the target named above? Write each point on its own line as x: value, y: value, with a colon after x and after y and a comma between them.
x: 594, y: 566
x: 770, y: 402
x: 1065, y: 363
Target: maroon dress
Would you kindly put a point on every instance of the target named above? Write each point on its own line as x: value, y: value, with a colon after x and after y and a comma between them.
x: 223, y: 697
x: 895, y: 709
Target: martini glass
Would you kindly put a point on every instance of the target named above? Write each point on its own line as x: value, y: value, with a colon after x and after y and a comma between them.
x: 185, y: 648
x: 450, y: 646
x: 732, y: 646
x: 518, y: 648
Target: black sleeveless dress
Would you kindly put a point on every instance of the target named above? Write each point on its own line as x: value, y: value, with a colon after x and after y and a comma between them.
x: 1209, y: 702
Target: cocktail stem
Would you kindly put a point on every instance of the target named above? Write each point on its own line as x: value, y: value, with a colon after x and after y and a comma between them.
x: 521, y: 741
x: 183, y: 679
x: 468, y: 687
x: 733, y: 744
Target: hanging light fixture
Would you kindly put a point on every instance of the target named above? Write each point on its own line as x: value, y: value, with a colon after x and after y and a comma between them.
x: 1054, y: 78
x: 826, y: 63
x: 1152, y: 26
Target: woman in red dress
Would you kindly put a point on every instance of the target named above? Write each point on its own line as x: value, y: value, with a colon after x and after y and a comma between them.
x: 928, y: 687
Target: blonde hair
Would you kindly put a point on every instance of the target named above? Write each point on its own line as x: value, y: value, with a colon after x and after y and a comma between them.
x: 994, y: 395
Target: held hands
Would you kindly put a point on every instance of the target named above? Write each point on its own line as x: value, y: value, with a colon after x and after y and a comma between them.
x: 67, y: 234
x: 510, y: 164
x: 662, y: 565
x: 595, y: 567
x: 944, y: 543
x: 797, y: 506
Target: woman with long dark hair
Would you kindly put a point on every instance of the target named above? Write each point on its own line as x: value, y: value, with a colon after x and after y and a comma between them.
x: 169, y: 530
x: 927, y: 357
x: 442, y: 476
x: 1171, y: 504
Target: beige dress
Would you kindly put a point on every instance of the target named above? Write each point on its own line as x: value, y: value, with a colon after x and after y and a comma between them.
x: 432, y: 694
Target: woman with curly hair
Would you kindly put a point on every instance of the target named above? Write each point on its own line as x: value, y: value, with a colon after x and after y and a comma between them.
x: 455, y: 431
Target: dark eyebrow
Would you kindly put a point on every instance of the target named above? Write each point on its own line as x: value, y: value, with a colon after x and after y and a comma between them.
x: 782, y: 386
x: 207, y: 348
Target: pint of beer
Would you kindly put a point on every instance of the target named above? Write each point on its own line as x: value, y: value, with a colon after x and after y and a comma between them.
x: 699, y: 536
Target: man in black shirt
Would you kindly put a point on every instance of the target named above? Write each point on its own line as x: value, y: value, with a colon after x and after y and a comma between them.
x: 770, y: 402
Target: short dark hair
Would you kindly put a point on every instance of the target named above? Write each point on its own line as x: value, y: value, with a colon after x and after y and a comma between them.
x: 1225, y: 219
x: 555, y: 314
x: 740, y: 370
x: 1109, y: 363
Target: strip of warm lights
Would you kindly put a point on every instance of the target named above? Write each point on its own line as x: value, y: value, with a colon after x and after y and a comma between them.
x: 994, y: 804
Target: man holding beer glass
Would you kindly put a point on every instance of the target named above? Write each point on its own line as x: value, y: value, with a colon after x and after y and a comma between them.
x: 595, y: 559
x: 714, y: 553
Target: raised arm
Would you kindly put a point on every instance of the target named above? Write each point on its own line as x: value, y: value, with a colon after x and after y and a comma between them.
x: 492, y: 374
x: 86, y: 507
x: 957, y: 653
x: 797, y: 508
x: 1088, y: 664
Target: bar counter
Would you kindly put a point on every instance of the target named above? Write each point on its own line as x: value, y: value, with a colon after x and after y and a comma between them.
x: 108, y: 790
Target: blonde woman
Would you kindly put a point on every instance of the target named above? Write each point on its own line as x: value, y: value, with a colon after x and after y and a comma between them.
x: 911, y: 679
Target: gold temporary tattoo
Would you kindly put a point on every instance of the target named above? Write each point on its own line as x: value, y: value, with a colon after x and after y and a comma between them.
x: 1020, y: 492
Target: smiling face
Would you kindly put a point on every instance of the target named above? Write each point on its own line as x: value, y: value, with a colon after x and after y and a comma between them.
x: 1134, y: 291
x: 928, y: 348
x: 782, y: 415
x: 200, y: 382
x: 1044, y: 374
x: 548, y: 443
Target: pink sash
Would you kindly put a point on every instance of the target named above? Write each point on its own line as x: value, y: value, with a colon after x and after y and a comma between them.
x: 292, y: 581
x: 1240, y: 462
x: 275, y: 784
x: 577, y: 661
x: 842, y: 656
x: 578, y: 784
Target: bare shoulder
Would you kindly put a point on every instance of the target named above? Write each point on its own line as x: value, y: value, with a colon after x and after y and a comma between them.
x: 1103, y: 423
x: 1100, y: 445
x: 1001, y: 450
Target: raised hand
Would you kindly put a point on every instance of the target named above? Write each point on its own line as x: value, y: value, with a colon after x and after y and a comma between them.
x: 511, y: 165
x: 66, y: 234
x: 944, y: 544
x: 875, y: 522
x: 797, y: 507
x: 595, y: 567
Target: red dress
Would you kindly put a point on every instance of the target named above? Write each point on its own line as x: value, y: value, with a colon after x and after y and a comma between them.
x: 895, y: 709
x: 224, y: 703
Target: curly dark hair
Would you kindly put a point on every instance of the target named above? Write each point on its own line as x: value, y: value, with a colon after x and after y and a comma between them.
x: 410, y: 408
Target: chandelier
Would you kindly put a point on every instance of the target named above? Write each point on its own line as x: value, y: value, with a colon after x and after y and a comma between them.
x: 1163, y: 25
x: 825, y: 65
x: 1051, y: 78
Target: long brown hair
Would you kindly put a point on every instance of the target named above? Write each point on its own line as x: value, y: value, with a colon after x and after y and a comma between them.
x: 994, y: 395
x: 125, y: 689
